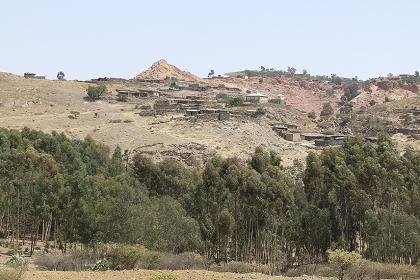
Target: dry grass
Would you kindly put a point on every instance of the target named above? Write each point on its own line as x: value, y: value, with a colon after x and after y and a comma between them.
x: 155, y: 275
x: 9, y: 273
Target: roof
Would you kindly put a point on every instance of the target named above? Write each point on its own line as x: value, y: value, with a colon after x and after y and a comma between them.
x: 256, y: 95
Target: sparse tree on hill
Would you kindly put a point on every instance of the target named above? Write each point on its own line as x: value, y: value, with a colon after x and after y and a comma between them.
x: 335, y: 79
x: 96, y: 92
x: 390, y: 75
x: 327, y: 110
x: 60, y: 75
x: 350, y: 92
x: 211, y: 74
x: 262, y: 68
x: 416, y: 74
x: 291, y: 70
x: 304, y: 72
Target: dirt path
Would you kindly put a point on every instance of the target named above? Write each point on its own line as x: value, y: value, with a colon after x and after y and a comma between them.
x: 147, y: 274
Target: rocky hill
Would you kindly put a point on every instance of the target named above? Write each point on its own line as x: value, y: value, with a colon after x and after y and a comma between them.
x: 161, y: 70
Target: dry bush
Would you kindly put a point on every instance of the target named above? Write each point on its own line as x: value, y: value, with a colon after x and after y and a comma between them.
x: 240, y: 267
x: 75, y: 261
x: 368, y: 270
x: 322, y: 270
x: 365, y: 270
x: 9, y: 273
x: 182, y: 261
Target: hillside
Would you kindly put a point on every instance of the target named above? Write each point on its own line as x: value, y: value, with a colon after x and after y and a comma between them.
x: 48, y: 105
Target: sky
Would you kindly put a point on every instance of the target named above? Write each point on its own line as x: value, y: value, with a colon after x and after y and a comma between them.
x: 100, y: 38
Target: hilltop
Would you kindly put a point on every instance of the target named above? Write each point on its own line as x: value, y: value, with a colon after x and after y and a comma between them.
x: 161, y: 70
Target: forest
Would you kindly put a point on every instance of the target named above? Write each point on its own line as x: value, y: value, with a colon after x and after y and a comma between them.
x: 361, y: 196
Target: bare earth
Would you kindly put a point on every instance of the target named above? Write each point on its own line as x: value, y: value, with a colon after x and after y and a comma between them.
x: 148, y: 274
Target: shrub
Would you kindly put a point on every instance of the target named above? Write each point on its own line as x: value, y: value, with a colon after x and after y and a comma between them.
x: 222, y: 96
x: 145, y: 107
x: 12, y: 273
x: 115, y: 121
x: 182, y: 261
x: 163, y: 276
x: 350, y: 92
x: 122, y: 97
x: 312, y: 115
x: 341, y: 261
x: 240, y: 267
x: 373, y: 270
x: 100, y: 265
x: 131, y: 257
x: 124, y: 257
x: 173, y: 85
x: 259, y: 112
x: 74, y: 115
x: 372, y: 102
x: 327, y: 110
x: 75, y: 261
x: 149, y: 259
x: 236, y: 101
x: 50, y: 262
x: 128, y: 121
x: 96, y: 92
x: 16, y: 261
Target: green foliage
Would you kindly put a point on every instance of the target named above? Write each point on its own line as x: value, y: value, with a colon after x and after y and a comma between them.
x: 236, y: 101
x: 74, y: 115
x: 122, y: 97
x: 96, y: 92
x: 101, y: 265
x: 350, y: 91
x: 222, y: 96
x: 335, y: 79
x: 327, y: 110
x: 145, y: 107
x: 131, y: 257
x: 259, y: 112
x: 312, y: 115
x: 342, y: 260
x: 16, y: 261
x: 228, y: 209
x: 162, y: 224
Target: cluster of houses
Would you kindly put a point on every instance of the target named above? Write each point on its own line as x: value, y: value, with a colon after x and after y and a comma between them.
x: 290, y: 133
x: 28, y: 75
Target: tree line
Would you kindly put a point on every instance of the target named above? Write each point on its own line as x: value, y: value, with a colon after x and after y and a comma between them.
x: 358, y: 197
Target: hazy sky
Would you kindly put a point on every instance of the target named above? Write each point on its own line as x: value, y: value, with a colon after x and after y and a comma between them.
x: 96, y: 38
